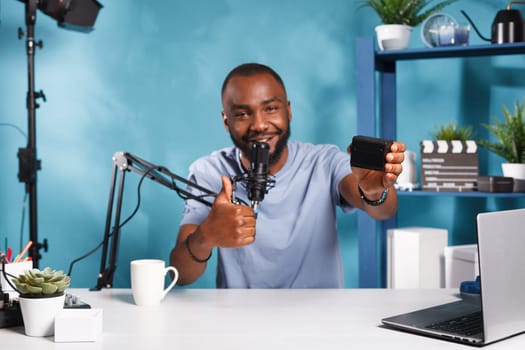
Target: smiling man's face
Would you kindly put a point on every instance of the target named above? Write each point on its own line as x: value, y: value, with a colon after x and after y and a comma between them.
x: 256, y: 108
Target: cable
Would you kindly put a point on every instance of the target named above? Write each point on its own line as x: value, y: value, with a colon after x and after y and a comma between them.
x: 25, y: 195
x: 5, y: 273
x: 82, y: 257
x: 15, y: 127
x: 22, y: 221
x: 473, y: 25
x: 115, y: 228
x: 179, y: 192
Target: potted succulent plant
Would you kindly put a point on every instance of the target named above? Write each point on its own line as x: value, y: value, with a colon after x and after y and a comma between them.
x: 510, y: 140
x: 450, y: 161
x: 41, y: 298
x: 399, y: 17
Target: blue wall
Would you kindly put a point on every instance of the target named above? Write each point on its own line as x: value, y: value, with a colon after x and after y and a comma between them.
x: 147, y: 81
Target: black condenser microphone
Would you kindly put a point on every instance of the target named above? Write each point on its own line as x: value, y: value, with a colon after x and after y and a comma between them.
x: 258, y: 175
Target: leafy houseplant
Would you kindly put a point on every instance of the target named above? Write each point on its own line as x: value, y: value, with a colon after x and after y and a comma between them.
x: 398, y: 18
x: 451, y: 132
x: 510, y: 135
x: 510, y: 145
x: 41, y: 298
x: 407, y: 12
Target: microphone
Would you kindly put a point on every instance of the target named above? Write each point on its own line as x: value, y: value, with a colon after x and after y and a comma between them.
x: 257, y: 180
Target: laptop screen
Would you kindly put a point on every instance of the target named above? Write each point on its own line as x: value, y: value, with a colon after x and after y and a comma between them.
x: 501, y: 246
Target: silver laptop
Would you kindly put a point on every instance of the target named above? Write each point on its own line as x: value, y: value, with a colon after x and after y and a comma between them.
x: 500, y: 308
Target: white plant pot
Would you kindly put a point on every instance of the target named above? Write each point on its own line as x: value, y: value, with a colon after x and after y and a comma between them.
x: 514, y: 170
x: 393, y: 36
x: 39, y: 314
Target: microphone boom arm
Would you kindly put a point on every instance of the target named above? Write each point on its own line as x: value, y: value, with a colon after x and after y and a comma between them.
x: 123, y: 162
x: 160, y: 174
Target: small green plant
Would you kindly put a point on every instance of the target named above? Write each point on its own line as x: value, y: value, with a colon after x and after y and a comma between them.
x: 451, y: 132
x: 408, y: 12
x: 510, y: 134
x: 46, y: 283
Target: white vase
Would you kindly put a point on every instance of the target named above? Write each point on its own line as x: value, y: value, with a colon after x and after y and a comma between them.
x: 407, y: 180
x: 514, y: 170
x: 393, y: 36
x: 39, y: 314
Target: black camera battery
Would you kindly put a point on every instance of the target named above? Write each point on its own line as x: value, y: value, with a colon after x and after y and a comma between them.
x: 369, y: 152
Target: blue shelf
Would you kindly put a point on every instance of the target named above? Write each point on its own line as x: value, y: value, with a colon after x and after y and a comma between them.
x: 376, y: 111
x: 451, y: 51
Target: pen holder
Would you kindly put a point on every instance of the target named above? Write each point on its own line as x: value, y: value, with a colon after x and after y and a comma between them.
x: 14, y: 269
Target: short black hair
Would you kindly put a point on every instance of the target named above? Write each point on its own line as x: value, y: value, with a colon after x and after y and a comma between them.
x: 250, y: 69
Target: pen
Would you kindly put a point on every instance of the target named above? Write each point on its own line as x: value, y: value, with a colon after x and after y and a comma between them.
x: 23, y: 252
x: 9, y: 254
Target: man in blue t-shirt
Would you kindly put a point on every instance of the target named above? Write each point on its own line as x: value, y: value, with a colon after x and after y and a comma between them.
x: 292, y: 242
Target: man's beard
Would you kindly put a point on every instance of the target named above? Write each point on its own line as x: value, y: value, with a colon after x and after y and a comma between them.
x: 245, y: 145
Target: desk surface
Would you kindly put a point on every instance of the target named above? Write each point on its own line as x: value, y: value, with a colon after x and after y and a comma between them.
x: 255, y: 319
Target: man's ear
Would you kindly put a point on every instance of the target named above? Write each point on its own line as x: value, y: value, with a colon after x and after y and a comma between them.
x: 289, y: 107
x: 225, y: 122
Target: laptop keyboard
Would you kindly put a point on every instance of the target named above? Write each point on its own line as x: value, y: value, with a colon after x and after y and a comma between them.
x: 471, y: 324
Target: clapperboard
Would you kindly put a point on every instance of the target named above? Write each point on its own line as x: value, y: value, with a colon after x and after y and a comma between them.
x: 449, y: 166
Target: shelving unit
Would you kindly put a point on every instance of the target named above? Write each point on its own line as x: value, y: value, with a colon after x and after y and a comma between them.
x: 376, y: 86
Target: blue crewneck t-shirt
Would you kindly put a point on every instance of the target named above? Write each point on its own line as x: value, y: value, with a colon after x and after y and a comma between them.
x: 296, y: 243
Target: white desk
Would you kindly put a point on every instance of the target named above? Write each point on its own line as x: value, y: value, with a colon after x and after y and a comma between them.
x: 255, y: 319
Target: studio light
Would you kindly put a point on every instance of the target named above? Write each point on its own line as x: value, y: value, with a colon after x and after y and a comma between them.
x: 79, y: 15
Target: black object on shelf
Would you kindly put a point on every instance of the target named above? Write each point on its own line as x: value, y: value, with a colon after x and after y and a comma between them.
x: 495, y: 184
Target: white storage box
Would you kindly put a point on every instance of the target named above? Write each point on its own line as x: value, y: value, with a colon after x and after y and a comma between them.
x: 461, y: 264
x: 78, y: 325
x: 415, y: 257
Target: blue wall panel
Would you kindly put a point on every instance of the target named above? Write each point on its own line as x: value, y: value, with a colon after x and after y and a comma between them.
x: 147, y: 81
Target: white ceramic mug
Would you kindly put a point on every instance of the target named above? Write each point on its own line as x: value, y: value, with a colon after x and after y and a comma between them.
x: 147, y: 281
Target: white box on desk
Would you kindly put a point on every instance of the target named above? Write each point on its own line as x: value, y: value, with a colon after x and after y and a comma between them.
x: 415, y: 257
x: 78, y: 325
x: 461, y: 264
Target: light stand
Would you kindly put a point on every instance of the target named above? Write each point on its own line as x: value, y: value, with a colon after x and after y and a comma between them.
x: 28, y: 162
x: 122, y: 163
x: 79, y: 15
